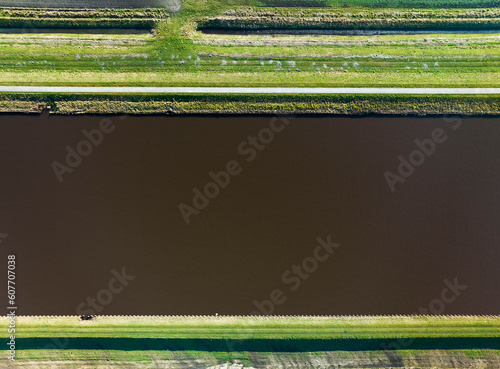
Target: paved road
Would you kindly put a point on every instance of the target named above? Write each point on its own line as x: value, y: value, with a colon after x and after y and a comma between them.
x: 252, y: 90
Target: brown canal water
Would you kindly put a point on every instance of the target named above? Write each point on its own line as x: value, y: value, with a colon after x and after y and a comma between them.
x: 432, y: 243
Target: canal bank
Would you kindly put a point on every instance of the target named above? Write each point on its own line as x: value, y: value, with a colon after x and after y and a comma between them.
x: 192, y: 102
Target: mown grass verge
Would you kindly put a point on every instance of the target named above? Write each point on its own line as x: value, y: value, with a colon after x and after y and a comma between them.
x: 261, y: 327
x: 250, y: 104
x: 181, y: 342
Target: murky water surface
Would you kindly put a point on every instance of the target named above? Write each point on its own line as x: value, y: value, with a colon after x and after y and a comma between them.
x: 72, y: 219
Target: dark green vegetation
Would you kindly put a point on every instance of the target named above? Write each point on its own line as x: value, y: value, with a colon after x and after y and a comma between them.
x: 76, y: 19
x: 248, y: 104
x: 355, y: 19
x: 259, y: 341
x: 259, y: 345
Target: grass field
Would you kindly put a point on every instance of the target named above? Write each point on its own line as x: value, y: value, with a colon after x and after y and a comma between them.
x: 253, y: 341
x: 182, y: 50
x: 437, y: 60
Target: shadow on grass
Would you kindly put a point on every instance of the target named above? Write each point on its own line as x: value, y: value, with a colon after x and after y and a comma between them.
x: 257, y: 345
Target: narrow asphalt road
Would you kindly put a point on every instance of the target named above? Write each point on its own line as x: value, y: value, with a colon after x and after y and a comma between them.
x: 252, y: 90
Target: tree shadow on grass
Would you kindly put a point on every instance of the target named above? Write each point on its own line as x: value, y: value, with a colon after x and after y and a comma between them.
x: 257, y: 345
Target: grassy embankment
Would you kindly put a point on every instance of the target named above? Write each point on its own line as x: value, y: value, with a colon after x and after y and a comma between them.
x: 179, y: 53
x: 251, y: 104
x: 383, y: 3
x: 31, y: 19
x: 257, y: 341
